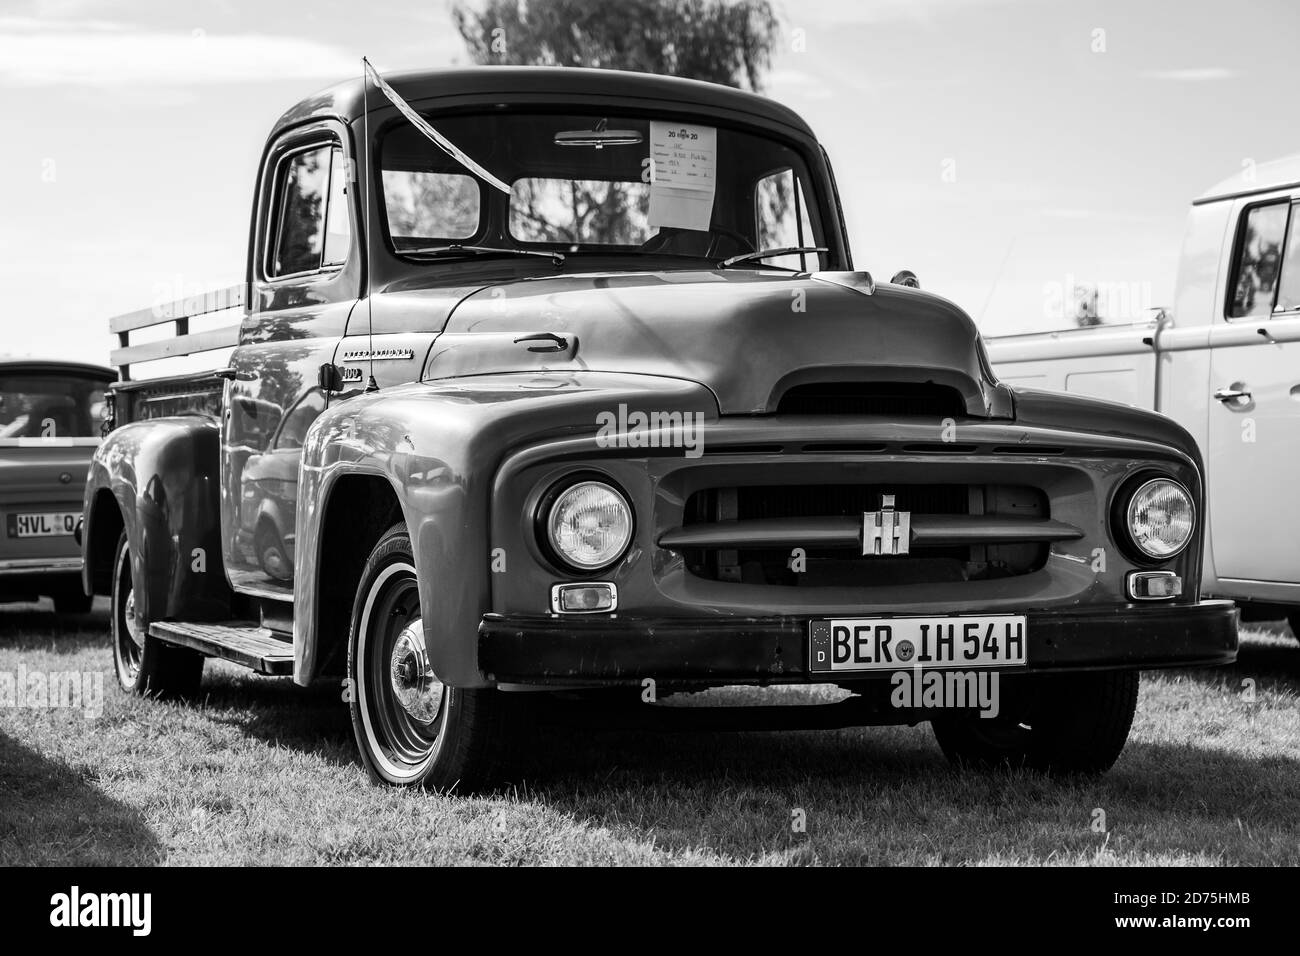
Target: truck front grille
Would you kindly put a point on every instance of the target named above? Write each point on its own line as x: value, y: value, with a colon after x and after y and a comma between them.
x: 1002, y: 531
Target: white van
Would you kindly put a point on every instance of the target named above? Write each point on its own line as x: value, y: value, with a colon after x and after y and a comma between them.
x: 1224, y: 362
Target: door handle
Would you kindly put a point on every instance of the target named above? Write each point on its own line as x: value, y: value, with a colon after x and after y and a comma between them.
x: 554, y: 343
x: 1231, y: 394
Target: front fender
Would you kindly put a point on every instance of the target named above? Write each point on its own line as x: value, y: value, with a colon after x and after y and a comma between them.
x: 163, y: 476
x: 1081, y: 413
x: 438, y: 446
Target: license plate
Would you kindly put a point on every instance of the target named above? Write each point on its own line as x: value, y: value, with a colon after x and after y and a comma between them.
x: 892, y: 643
x: 50, y: 524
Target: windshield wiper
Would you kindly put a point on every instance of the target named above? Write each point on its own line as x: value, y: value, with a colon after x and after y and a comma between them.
x: 768, y: 253
x: 456, y: 249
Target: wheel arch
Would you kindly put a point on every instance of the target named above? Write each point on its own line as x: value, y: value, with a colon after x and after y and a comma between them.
x: 104, y: 527
x: 355, y: 508
x: 158, y: 481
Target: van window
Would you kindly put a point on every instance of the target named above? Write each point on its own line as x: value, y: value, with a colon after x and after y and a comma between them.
x: 1288, y: 293
x: 1259, y: 260
x: 312, y: 226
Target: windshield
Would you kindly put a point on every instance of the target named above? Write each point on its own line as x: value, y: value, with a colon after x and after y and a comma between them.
x: 50, y: 406
x: 600, y: 183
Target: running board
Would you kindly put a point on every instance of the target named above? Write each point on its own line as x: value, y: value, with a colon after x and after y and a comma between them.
x: 243, y: 642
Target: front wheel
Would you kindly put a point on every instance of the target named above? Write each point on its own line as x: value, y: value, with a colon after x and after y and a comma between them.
x: 411, y: 729
x: 1060, y: 723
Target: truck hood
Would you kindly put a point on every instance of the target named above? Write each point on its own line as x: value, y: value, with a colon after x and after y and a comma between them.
x: 747, y: 335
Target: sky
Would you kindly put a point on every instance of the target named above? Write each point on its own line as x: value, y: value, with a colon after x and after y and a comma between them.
x: 1003, y: 150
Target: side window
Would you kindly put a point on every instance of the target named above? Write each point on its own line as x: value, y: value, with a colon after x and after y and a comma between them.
x: 1258, y: 260
x: 1288, y: 293
x: 338, y: 224
x: 781, y: 218
x: 311, y: 215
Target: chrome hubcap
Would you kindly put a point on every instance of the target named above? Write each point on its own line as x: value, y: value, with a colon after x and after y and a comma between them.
x: 133, y: 629
x: 417, y: 691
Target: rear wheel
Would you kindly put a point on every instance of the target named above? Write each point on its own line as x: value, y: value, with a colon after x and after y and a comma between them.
x: 144, y: 664
x: 1061, y: 723
x: 410, y: 728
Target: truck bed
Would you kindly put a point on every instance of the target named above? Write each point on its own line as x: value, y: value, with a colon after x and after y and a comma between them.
x: 195, y: 394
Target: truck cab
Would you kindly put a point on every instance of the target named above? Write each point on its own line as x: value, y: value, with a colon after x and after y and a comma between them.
x: 1224, y: 362
x: 569, y: 386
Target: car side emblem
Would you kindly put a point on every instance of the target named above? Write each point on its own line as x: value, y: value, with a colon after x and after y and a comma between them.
x: 378, y: 355
x: 886, y: 532
x: 65, y: 477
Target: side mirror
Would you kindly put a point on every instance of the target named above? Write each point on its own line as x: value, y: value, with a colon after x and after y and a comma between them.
x: 330, y: 378
x: 906, y: 278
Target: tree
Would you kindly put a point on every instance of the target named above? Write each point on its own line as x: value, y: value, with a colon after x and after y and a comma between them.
x: 715, y: 40
x: 721, y: 41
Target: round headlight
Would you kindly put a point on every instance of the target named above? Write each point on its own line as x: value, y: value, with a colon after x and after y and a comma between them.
x: 1161, y: 518
x: 589, y: 525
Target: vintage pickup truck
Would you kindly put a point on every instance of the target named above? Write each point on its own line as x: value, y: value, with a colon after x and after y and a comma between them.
x: 1224, y: 362
x: 570, y: 387
x: 51, y: 414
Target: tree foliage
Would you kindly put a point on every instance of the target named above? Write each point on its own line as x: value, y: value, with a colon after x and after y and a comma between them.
x: 722, y: 41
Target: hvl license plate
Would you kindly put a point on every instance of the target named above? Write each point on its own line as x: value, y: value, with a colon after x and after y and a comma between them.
x: 890, y: 643
x: 47, y: 525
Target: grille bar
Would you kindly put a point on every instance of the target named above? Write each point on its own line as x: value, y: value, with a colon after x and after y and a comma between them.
x: 846, y: 532
x: 794, y: 501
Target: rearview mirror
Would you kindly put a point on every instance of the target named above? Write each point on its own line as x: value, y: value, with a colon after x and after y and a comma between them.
x: 599, y: 137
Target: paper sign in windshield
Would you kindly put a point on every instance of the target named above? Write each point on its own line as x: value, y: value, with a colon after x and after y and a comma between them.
x: 684, y: 177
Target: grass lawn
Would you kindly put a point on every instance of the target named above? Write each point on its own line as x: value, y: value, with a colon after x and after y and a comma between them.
x: 262, y: 771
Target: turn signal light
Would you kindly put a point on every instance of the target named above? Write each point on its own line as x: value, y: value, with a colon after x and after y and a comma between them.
x: 1154, y: 585
x: 583, y: 598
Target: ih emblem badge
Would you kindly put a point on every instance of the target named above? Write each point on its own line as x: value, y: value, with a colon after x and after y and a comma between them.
x: 886, y: 532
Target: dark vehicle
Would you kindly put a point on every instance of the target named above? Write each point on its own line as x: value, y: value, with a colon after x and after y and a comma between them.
x: 602, y: 412
x: 51, y: 413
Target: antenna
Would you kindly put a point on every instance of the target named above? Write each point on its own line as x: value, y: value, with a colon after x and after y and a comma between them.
x: 371, y: 385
